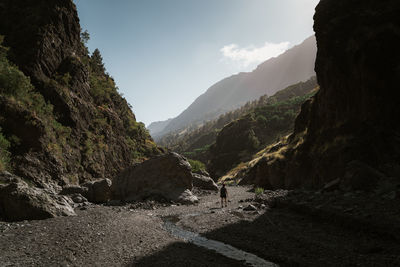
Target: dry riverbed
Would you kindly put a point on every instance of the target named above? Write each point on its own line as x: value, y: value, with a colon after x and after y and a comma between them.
x: 135, y: 235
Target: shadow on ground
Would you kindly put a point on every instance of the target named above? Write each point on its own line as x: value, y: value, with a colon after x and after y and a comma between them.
x: 291, y: 237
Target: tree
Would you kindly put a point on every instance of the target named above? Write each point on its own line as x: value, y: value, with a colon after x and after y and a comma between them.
x: 85, y: 37
x: 96, y: 62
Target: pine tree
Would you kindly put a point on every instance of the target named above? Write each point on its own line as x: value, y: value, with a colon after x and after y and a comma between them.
x: 96, y: 62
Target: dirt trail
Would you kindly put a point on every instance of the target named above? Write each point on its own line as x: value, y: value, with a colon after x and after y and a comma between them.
x: 121, y: 235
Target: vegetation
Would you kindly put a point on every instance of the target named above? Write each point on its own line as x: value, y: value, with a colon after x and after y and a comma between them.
x: 197, y: 165
x: 259, y: 191
x: 267, y: 113
x: 4, y: 153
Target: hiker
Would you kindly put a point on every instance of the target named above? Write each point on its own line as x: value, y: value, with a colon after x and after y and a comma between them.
x: 223, y: 193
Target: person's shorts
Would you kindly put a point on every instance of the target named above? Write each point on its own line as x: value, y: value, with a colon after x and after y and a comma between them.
x: 223, y: 196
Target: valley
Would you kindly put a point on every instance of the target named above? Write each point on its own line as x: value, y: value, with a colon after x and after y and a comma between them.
x: 307, y: 144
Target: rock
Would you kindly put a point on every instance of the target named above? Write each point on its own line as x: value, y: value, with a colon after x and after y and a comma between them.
x: 360, y: 176
x: 332, y: 185
x: 167, y: 175
x: 98, y: 191
x: 19, y: 201
x: 73, y: 189
x: 203, y: 172
x: 78, y: 198
x: 204, y: 182
x: 250, y: 207
x: 187, y: 197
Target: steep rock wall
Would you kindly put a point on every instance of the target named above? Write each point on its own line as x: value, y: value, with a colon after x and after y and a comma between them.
x: 354, y: 117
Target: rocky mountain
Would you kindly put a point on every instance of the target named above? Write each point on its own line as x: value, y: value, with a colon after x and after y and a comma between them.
x: 157, y: 126
x: 295, y: 65
x: 348, y: 135
x: 263, y: 125
x: 62, y: 119
x: 195, y: 142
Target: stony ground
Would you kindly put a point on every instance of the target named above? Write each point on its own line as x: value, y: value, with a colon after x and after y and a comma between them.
x: 288, y: 228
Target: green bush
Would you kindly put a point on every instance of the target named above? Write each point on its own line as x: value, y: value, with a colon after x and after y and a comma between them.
x: 197, y: 165
x: 4, y: 154
x: 259, y: 191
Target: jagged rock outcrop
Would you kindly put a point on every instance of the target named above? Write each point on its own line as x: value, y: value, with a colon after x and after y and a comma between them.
x: 168, y: 176
x: 354, y: 117
x: 84, y: 129
x: 21, y: 201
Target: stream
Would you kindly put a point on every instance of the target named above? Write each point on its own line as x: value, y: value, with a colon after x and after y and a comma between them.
x: 219, y: 247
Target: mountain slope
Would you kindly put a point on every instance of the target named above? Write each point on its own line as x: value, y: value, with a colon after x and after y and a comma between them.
x: 157, y: 126
x: 295, y: 65
x: 62, y: 119
x: 195, y: 143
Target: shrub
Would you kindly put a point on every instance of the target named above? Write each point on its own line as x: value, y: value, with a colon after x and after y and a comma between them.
x: 259, y: 191
x: 4, y: 154
x: 197, y: 165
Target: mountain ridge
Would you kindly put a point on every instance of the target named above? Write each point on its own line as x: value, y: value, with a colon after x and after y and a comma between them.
x: 295, y: 65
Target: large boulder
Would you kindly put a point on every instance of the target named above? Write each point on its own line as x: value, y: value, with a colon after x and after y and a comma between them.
x: 167, y: 175
x: 20, y: 201
x: 98, y: 191
x: 204, y: 182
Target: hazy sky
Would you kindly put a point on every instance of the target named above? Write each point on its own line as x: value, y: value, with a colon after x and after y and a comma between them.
x: 163, y: 54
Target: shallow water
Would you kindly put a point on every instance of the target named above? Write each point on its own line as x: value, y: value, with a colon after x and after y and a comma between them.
x: 219, y: 247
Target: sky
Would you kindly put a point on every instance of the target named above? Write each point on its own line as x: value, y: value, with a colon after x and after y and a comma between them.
x: 163, y: 54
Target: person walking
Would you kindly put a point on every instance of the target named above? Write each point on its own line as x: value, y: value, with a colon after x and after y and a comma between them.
x: 223, y: 194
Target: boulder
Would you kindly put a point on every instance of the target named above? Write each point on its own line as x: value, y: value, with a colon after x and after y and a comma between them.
x: 360, y: 176
x: 204, y: 182
x: 250, y: 207
x: 73, y: 189
x: 98, y: 191
x: 167, y: 175
x: 187, y: 197
x: 19, y: 201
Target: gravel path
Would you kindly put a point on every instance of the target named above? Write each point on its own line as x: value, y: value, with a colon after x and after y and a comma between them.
x: 131, y: 236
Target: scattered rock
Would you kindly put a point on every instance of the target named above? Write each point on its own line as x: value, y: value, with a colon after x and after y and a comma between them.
x: 204, y: 182
x: 19, y: 201
x: 98, y: 191
x: 187, y: 197
x: 78, y: 198
x: 250, y: 207
x: 332, y: 185
x: 167, y: 175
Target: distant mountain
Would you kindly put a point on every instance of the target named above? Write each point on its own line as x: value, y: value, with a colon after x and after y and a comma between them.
x: 157, y: 126
x: 293, y: 66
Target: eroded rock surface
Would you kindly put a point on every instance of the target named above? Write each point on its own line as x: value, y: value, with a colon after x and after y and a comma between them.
x: 166, y: 175
x: 20, y: 201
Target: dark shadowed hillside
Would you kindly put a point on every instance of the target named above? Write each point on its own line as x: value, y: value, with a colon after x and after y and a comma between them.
x: 295, y: 65
x: 62, y: 119
x: 349, y: 132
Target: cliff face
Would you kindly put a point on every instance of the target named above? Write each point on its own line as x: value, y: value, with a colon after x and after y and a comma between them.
x: 83, y: 129
x: 353, y: 120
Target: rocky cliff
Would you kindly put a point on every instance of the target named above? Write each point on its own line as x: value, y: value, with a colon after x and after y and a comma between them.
x: 62, y: 119
x: 350, y: 129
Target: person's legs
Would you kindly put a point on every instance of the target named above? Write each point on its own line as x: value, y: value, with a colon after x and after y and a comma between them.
x: 226, y: 205
x: 222, y: 202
